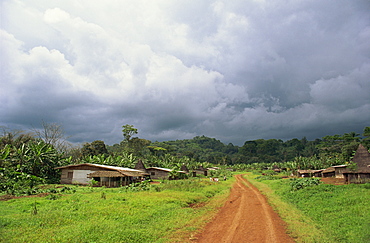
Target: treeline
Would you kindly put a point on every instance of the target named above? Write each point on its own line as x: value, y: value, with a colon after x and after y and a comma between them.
x: 28, y: 158
x: 205, y: 149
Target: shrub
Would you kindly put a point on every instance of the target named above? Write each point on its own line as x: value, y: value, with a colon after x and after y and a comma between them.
x: 300, y: 183
x: 139, y: 186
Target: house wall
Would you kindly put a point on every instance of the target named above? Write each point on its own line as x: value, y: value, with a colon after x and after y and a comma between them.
x: 201, y: 172
x: 78, y: 176
x: 339, y: 172
x: 357, y: 178
x: 328, y: 174
x: 158, y: 174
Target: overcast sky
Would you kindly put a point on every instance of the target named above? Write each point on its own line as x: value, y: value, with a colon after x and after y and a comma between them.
x: 231, y: 70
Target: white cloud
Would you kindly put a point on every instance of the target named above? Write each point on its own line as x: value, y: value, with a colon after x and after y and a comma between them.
x: 231, y: 70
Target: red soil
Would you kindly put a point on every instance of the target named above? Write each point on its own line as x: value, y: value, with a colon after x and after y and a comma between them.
x: 245, y: 217
x: 333, y: 181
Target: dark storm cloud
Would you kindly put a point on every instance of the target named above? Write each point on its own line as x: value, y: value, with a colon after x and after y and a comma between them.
x: 236, y: 71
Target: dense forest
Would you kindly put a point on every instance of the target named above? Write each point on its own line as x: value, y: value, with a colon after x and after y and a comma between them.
x: 29, y: 158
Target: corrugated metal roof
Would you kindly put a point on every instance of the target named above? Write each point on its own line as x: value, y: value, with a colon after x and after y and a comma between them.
x: 158, y: 168
x: 105, y: 174
x: 164, y: 169
x: 120, y: 173
x: 101, y: 166
x: 309, y: 171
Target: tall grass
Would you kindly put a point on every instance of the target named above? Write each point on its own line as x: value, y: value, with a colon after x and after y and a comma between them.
x: 321, y: 213
x: 118, y: 216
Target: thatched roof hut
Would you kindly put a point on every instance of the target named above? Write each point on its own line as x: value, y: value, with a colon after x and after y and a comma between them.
x: 360, y: 171
x: 184, y: 168
x: 140, y: 166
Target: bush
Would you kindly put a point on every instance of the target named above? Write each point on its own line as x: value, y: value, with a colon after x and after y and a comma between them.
x: 300, y: 183
x: 139, y: 186
x: 14, y: 183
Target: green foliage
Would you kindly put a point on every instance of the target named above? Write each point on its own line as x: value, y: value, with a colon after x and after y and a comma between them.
x: 143, y: 216
x: 128, y: 131
x: 332, y: 207
x: 18, y: 183
x: 220, y: 173
x: 267, y: 177
x: 95, y: 148
x: 300, y: 183
x: 93, y: 183
x: 321, y: 213
x: 138, y: 186
x: 30, y: 156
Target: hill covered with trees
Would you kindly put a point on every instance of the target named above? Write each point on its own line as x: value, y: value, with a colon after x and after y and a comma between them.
x: 29, y: 158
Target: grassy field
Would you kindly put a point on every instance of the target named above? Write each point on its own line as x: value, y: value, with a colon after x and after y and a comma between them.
x: 174, y: 210
x: 320, y: 213
x: 165, y: 213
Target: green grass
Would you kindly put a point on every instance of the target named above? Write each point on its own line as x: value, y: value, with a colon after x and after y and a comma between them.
x: 112, y: 214
x: 321, y: 213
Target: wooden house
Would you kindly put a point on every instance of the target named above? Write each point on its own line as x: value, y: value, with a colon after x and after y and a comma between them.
x: 105, y: 175
x: 200, y: 171
x: 161, y: 173
x: 359, y: 170
x: 309, y: 173
x: 334, y: 171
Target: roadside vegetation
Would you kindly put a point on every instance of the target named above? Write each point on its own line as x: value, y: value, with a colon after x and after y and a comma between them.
x: 156, y: 213
x: 317, y: 212
x: 314, y: 212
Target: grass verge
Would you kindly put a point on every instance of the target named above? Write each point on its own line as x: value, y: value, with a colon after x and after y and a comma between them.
x: 321, y: 213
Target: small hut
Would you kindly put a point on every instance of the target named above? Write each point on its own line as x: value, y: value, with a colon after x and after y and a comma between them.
x: 140, y: 166
x: 161, y: 173
x: 200, y: 171
x: 184, y: 168
x: 334, y: 171
x: 360, y: 171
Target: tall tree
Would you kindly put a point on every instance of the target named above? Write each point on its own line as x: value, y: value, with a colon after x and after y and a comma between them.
x: 95, y: 148
x: 128, y: 131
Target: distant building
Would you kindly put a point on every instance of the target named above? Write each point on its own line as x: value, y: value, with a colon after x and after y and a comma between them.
x: 161, y: 173
x: 200, y: 171
x: 309, y: 173
x: 334, y: 171
x: 360, y: 171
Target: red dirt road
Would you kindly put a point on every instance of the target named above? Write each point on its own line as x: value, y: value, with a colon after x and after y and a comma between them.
x: 245, y: 217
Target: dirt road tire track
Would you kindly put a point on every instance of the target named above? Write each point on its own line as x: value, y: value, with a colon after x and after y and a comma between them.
x: 245, y: 217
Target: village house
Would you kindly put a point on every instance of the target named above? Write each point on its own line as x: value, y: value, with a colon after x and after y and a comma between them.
x: 200, y: 171
x: 161, y: 173
x: 359, y: 169
x: 104, y: 175
x: 334, y: 171
x: 157, y: 172
x: 309, y: 173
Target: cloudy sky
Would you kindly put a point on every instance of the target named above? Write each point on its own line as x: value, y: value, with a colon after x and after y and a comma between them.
x: 232, y: 70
